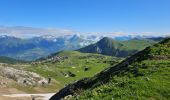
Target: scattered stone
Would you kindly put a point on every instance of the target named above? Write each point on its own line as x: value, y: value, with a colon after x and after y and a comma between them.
x: 71, y: 74
x: 86, y: 69
x: 147, y: 79
x: 68, y: 97
x: 49, y: 80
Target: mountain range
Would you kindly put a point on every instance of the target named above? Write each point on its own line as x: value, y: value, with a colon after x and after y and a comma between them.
x: 30, y: 49
x: 36, y: 47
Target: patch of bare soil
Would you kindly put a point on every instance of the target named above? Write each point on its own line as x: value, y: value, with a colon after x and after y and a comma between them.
x: 9, y: 91
x: 15, y: 98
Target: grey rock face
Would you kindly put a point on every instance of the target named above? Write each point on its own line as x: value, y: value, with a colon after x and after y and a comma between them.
x: 22, y: 77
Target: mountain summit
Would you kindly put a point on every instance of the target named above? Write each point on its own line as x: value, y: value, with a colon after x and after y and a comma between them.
x: 105, y: 46
x: 108, y: 46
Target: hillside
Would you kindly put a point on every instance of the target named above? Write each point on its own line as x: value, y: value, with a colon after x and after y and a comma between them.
x: 108, y: 46
x: 69, y: 66
x: 61, y: 68
x: 145, y: 75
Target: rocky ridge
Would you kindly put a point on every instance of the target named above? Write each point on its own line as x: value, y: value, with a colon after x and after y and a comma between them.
x: 22, y: 77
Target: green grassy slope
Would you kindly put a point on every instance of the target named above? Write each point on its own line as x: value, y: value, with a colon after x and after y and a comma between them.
x: 148, y: 78
x: 137, y: 44
x: 71, y: 66
x: 144, y: 75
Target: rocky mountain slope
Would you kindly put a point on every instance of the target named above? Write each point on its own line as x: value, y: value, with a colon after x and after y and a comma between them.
x: 144, y: 75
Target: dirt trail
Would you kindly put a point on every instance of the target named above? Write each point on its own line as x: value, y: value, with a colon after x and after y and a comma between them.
x: 43, y: 96
x: 15, y: 94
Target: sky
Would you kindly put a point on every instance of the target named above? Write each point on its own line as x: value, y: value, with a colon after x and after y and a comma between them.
x: 84, y: 16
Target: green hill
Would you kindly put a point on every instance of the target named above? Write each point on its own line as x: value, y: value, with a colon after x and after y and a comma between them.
x: 69, y: 66
x: 145, y: 75
x: 108, y: 46
x: 59, y: 64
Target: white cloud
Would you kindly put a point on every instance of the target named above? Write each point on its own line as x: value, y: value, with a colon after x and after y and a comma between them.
x: 27, y: 32
x: 120, y: 34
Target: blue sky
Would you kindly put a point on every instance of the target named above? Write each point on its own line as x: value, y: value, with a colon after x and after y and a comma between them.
x: 88, y: 15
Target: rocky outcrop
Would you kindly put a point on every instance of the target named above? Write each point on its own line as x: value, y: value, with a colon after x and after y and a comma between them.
x: 22, y: 77
x: 4, y: 82
x: 51, y: 59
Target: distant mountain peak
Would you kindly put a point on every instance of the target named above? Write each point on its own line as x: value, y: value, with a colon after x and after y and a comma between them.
x: 106, y: 40
x: 76, y: 36
x: 108, y: 46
